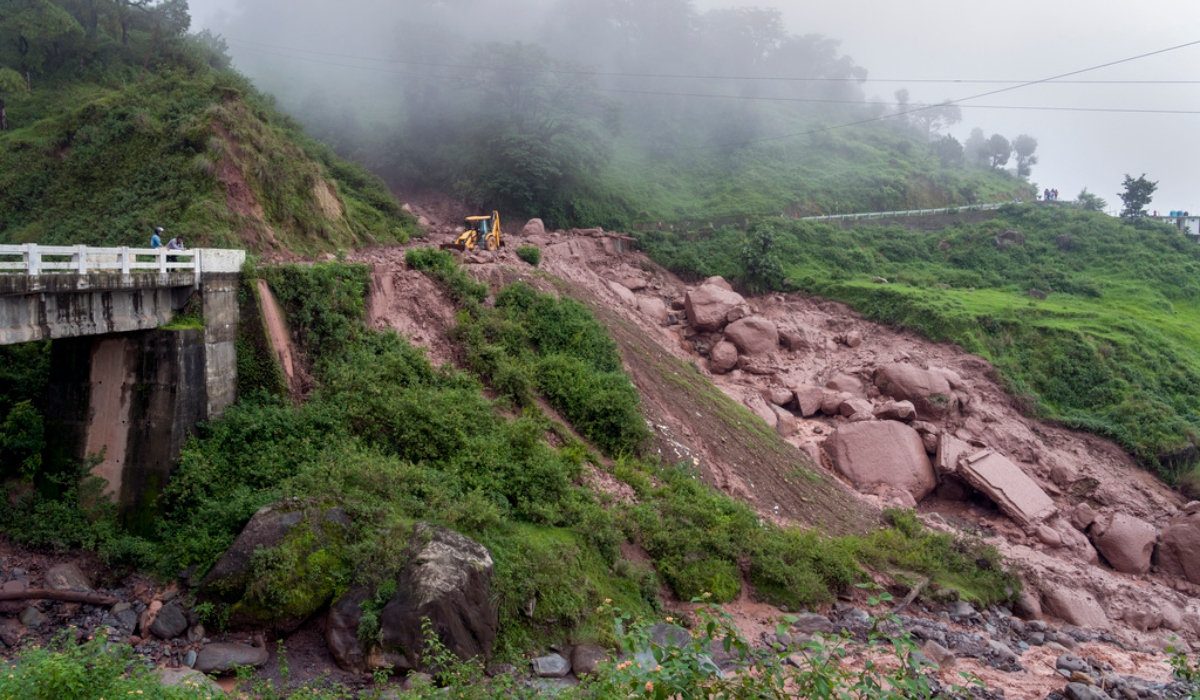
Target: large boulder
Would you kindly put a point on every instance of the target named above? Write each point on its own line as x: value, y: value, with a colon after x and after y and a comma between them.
x: 535, y: 227
x: 225, y: 657
x: 447, y: 581
x: 848, y: 384
x: 1014, y: 493
x: 284, y: 597
x: 723, y: 358
x: 623, y: 293
x: 1077, y: 607
x: 655, y: 309
x: 67, y: 577
x: 887, y: 453
x: 708, y: 305
x: 1179, y: 548
x: 341, y: 630
x: 753, y: 335
x: 1125, y: 542
x: 809, y: 399
x: 929, y: 391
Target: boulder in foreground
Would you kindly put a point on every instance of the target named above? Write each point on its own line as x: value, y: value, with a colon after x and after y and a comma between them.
x: 887, y: 453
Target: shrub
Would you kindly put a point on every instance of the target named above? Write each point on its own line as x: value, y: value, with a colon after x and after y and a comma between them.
x: 530, y: 254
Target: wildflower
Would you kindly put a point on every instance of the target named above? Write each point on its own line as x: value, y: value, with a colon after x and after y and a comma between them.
x: 607, y: 601
x: 707, y: 594
x: 649, y: 687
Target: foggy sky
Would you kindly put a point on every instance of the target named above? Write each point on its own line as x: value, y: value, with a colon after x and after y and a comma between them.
x: 949, y: 39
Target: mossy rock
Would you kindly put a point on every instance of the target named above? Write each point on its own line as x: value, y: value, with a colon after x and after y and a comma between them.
x: 286, y: 564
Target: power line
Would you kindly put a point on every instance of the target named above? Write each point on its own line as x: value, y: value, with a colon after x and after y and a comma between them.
x: 684, y: 76
x: 804, y: 100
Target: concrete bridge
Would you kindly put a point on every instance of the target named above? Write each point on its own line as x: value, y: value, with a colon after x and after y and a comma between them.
x: 143, y: 349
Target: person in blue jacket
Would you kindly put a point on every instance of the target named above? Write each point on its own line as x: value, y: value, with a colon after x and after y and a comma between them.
x: 156, y: 239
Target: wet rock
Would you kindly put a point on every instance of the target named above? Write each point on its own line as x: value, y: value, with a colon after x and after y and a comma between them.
x: 1075, y: 606
x: 853, y: 339
x: 812, y: 623
x: 1013, y: 492
x: 848, y: 384
x: 857, y: 406
x: 188, y: 679
x: 10, y: 631
x: 708, y: 305
x: 929, y: 391
x: 1049, y: 536
x: 195, y: 634
x: 723, y: 358
x: 753, y: 336
x: 654, y: 309
x: 939, y: 654
x: 126, y: 620
x: 809, y: 399
x: 223, y: 657
x: 831, y: 403
x: 586, y: 659
x: 320, y: 527
x: 623, y: 293
x: 896, y: 410
x: 341, y: 630
x: 31, y: 617
x: 1178, y: 552
x: 1079, y: 691
x: 793, y: 339
x: 67, y: 577
x: 778, y: 396
x: 718, y: 281
x: 883, y: 453
x: 1125, y: 542
x: 785, y: 422
x: 447, y: 580
x: 169, y: 623
x: 552, y: 666
x: 1071, y: 663
x: 1082, y: 516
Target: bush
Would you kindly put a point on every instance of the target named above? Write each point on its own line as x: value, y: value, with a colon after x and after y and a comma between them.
x: 530, y: 254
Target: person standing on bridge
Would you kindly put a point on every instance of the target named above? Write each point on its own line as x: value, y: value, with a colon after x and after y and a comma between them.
x: 175, y: 243
x: 156, y: 237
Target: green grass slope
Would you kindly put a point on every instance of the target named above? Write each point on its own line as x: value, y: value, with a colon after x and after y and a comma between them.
x: 1113, y: 349
x: 101, y: 156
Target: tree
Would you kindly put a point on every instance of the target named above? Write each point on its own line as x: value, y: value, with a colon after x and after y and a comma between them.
x: 1023, y: 147
x: 997, y: 150
x: 1136, y: 196
x: 902, y: 105
x: 34, y: 23
x: 1090, y: 202
x: 760, y: 258
x: 948, y: 151
x: 975, y: 147
x: 933, y: 118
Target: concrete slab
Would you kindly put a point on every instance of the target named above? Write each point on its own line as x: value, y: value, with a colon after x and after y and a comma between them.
x: 1017, y: 496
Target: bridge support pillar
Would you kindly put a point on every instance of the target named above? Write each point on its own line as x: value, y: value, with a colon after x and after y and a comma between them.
x: 129, y: 400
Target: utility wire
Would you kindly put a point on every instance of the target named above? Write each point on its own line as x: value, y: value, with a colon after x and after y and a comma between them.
x: 684, y: 76
x: 805, y: 100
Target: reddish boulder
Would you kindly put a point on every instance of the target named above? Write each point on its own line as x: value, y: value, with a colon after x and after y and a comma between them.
x: 793, y: 339
x: 887, y: 453
x: 929, y: 391
x: 854, y: 406
x: 809, y: 399
x: 1077, y: 607
x: 723, y: 358
x: 1013, y: 492
x: 1082, y: 516
x: 535, y: 227
x: 896, y: 410
x: 777, y: 396
x: 753, y: 336
x: 1125, y: 542
x: 1179, y: 549
x: 831, y: 403
x: 848, y: 384
x: 623, y: 293
x: 762, y: 409
x: 785, y: 422
x: 708, y: 305
x: 719, y: 281
x: 655, y: 309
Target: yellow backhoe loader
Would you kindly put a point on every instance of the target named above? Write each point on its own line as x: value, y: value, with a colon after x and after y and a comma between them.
x: 481, y: 230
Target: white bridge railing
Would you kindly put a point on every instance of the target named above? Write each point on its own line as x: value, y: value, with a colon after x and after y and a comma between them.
x: 33, y: 259
x: 909, y: 212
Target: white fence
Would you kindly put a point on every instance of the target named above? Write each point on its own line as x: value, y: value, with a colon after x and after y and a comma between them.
x: 910, y: 212
x: 33, y: 259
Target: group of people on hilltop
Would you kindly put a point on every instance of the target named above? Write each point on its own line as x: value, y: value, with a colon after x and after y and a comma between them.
x: 1049, y: 195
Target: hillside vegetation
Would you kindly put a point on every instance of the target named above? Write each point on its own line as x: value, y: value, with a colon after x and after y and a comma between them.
x: 131, y: 123
x: 1112, y: 348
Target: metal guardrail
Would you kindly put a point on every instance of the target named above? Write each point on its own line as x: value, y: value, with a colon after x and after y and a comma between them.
x: 909, y: 212
x: 33, y: 259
